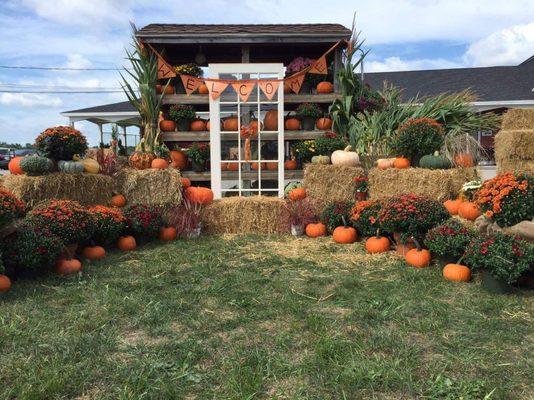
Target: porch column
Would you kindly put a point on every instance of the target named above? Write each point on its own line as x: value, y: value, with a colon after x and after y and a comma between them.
x: 101, y: 133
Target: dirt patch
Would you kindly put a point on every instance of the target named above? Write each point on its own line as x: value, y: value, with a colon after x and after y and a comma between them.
x: 139, y: 337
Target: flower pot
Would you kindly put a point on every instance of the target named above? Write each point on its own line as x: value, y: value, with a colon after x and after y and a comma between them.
x: 495, y: 285
x: 183, y: 125
x: 306, y: 87
x: 195, y: 233
x: 402, y: 246
x: 361, y: 196
x: 308, y: 123
x: 198, y: 167
x: 297, y: 230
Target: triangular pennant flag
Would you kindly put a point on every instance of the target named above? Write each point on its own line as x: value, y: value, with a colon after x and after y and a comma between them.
x: 244, y: 89
x: 191, y: 83
x: 215, y: 88
x: 269, y: 88
x: 164, y: 69
x: 295, y: 82
x: 319, y: 67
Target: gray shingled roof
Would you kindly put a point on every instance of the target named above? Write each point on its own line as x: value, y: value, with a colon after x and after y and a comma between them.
x: 123, y: 106
x: 489, y: 83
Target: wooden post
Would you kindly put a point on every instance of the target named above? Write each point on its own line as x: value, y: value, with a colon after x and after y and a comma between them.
x: 124, y: 133
x: 337, y: 67
x: 101, y: 133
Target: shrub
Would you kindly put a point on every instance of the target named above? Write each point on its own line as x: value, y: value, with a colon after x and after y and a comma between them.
x: 505, y: 257
x: 507, y: 198
x: 411, y: 215
x: 35, y: 165
x: 365, y: 217
x: 31, y: 248
x: 109, y: 225
x: 418, y: 137
x: 143, y: 221
x: 328, y: 143
x: 179, y: 112
x: 449, y: 239
x: 61, y: 143
x: 333, y: 214
x: 66, y: 219
x: 305, y: 150
x: 10, y: 207
x: 310, y: 110
x: 188, y: 69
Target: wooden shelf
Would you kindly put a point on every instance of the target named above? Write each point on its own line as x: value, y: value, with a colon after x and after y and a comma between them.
x: 288, y: 98
x: 205, y: 136
x: 252, y: 175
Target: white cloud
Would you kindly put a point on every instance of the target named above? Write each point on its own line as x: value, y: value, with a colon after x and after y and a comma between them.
x: 508, y: 46
x: 77, y: 61
x: 398, y: 64
x: 29, y: 100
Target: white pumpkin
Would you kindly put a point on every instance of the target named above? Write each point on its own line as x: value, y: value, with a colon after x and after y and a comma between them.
x: 345, y: 157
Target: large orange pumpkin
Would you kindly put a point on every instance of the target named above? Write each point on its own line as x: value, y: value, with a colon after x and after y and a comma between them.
x: 178, y: 159
x: 290, y: 164
x: 457, y: 273
x: 186, y: 182
x: 468, y: 210
x: 200, y: 195
x: 167, y: 234
x: 159, y: 163
x: 324, y: 124
x: 118, y: 200
x: 167, y: 125
x: 94, y: 253
x: 230, y: 124
x: 297, y: 194
x: 345, y: 234
x: 126, y: 243
x: 418, y: 257
x: 464, y: 160
x: 140, y: 160
x: 452, y: 206
x: 68, y: 266
x: 377, y: 244
x: 401, y: 163
x: 325, y: 87
x: 315, y: 230
x: 292, y: 124
x: 270, y: 121
x: 14, y: 166
x: 198, y: 125
x: 5, y: 283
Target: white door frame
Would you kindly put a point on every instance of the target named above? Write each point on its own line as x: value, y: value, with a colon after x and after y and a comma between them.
x: 215, y: 70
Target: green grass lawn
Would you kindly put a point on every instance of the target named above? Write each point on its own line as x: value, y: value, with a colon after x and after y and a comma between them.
x: 262, y: 318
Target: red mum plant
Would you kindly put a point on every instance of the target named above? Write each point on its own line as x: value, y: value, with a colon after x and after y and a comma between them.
x: 143, y: 221
x: 334, y: 213
x: 109, y: 224
x: 61, y: 143
x: 365, y: 217
x: 449, y: 239
x: 507, y: 198
x: 10, y: 207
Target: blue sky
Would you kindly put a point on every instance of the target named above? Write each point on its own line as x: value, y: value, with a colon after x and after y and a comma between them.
x: 402, y: 35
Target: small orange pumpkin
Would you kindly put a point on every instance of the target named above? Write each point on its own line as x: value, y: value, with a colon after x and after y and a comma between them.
x: 344, y: 234
x: 464, y: 160
x: 167, y: 234
x: 203, y: 89
x: 168, y: 90
x: 469, y: 210
x: 118, y: 200
x: 401, y: 163
x: 377, y: 244
x: 254, y: 166
x: 230, y: 124
x: 290, y: 164
x: 297, y: 194
x: 452, y: 206
x: 198, y: 125
x: 457, y: 273
x: 94, y: 253
x: 325, y: 87
x: 292, y: 124
x: 272, y: 166
x: 159, y: 163
x: 126, y: 243
x: 232, y: 166
x: 167, y: 125
x: 186, y: 182
x: 418, y: 257
x: 5, y: 283
x: 68, y: 266
x: 14, y: 166
x: 270, y: 121
x: 178, y: 159
x: 200, y: 195
x: 324, y: 124
x: 384, y: 163
x: 315, y: 230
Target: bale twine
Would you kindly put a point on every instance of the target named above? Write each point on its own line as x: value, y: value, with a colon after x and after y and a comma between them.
x: 255, y: 214
x: 514, y: 149
x: 439, y: 184
x: 88, y: 189
x: 330, y: 183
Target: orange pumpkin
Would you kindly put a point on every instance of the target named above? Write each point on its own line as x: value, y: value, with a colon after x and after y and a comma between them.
x: 126, y: 243
x: 452, y: 206
x: 254, y: 166
x: 185, y: 182
x: 168, y: 90
x: 418, y: 257
x: 230, y: 124
x: 167, y: 125
x: 68, y: 266
x: 401, y: 163
x: 200, y: 195
x: 198, y: 125
x: 272, y: 166
x: 345, y: 234
x: 384, y: 163
x: 270, y: 121
x: 290, y: 164
x: 315, y: 230
x: 292, y: 124
x: 325, y: 87
x: 14, y: 166
x: 468, y: 210
x: 377, y: 244
x: 167, y: 234
x: 159, y: 163
x: 5, y: 283
x: 118, y: 200
x: 94, y: 253
x: 457, y: 273
x: 232, y: 166
x: 324, y: 124
x: 203, y: 89
x: 464, y: 160
x: 297, y: 194
x: 178, y: 159
x: 255, y: 126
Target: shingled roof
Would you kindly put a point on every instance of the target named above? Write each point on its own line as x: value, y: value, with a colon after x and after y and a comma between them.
x: 122, y: 107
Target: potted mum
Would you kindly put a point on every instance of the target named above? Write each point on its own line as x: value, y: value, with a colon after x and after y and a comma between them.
x: 308, y: 114
x: 198, y: 153
x: 143, y: 221
x: 61, y: 143
x: 418, y: 137
x: 365, y: 217
x: 328, y: 143
x: 190, y: 69
x: 183, y: 115
x: 334, y: 213
x: 297, y: 65
x: 362, y: 186
x: 449, y: 240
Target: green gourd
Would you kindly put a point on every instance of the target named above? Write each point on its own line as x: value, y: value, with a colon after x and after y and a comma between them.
x: 70, y: 167
x: 36, y: 165
x: 324, y: 160
x: 434, y: 161
x: 290, y: 186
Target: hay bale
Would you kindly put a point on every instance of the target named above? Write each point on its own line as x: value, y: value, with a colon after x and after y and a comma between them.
x: 255, y: 214
x: 331, y: 182
x: 514, y: 150
x: 149, y: 186
x: 517, y: 118
x: 88, y: 189
x: 440, y: 184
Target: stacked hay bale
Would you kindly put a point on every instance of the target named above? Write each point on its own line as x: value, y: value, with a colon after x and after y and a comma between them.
x: 88, y: 189
x: 439, y: 184
x: 149, y: 186
x: 514, y: 144
x: 255, y: 214
x: 330, y: 183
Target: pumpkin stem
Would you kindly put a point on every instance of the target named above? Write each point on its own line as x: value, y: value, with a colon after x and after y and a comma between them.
x: 348, y: 148
x: 344, y: 221
x: 417, y: 245
x: 378, y: 233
